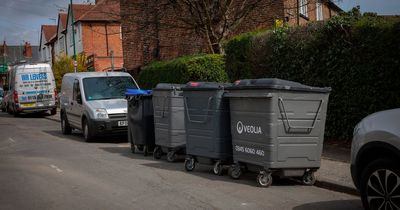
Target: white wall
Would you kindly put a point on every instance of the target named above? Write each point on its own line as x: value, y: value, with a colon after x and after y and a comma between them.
x: 78, y: 44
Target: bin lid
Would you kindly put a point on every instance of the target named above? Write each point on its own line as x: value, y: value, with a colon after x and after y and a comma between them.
x: 275, y: 83
x: 206, y: 85
x: 136, y: 92
x: 169, y: 86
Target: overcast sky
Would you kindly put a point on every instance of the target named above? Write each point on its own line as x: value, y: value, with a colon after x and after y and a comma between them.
x: 20, y: 20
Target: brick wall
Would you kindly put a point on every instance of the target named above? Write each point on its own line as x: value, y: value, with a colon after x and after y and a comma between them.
x: 145, y: 39
x: 99, y: 38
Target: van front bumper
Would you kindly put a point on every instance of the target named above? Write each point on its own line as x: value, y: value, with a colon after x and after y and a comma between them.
x: 109, y: 126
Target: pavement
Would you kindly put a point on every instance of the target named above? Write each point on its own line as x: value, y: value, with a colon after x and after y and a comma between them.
x: 334, y: 173
x: 40, y: 168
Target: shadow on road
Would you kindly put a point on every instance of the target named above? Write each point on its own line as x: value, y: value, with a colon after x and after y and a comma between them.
x: 26, y: 115
x: 201, y: 170
x: 331, y: 205
x: 77, y: 136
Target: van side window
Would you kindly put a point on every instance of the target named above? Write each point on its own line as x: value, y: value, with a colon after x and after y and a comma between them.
x: 76, y: 91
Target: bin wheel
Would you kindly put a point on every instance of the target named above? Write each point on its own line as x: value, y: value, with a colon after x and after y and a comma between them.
x: 140, y: 147
x: 235, y: 171
x: 264, y: 179
x: 172, y: 156
x: 190, y: 164
x: 133, y: 148
x: 145, y: 150
x: 218, y: 168
x: 157, y: 153
x: 308, y: 178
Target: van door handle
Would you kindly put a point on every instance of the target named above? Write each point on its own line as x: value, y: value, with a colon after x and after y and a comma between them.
x: 72, y: 103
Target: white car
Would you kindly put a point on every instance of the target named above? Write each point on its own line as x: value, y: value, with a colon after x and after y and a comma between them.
x: 375, y: 160
x: 95, y: 103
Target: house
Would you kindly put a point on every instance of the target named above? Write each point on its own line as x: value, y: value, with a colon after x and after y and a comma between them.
x: 48, y: 32
x: 147, y: 37
x: 10, y: 54
x: 60, y: 46
x: 300, y: 12
x: 97, y: 31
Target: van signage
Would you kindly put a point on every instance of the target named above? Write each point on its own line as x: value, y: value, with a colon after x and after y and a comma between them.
x: 34, y: 77
x: 250, y: 129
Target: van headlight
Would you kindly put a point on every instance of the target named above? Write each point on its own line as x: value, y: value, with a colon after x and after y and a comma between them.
x: 101, y: 114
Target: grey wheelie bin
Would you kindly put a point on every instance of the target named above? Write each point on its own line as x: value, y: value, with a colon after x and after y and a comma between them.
x: 140, y: 120
x: 207, y: 126
x: 169, y: 121
x: 277, y: 128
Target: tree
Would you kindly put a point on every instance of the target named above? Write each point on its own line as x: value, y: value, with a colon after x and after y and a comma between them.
x: 65, y: 65
x: 215, y: 20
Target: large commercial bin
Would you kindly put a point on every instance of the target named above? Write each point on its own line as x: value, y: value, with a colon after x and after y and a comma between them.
x: 169, y: 121
x: 140, y: 120
x: 277, y: 128
x: 207, y: 125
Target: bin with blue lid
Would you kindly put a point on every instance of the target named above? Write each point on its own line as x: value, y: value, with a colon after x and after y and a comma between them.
x: 277, y: 128
x: 208, y: 137
x: 140, y: 120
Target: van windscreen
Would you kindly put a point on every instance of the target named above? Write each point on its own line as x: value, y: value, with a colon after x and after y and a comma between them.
x: 103, y: 88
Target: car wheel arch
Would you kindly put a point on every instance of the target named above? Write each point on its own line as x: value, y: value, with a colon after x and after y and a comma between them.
x: 370, y: 152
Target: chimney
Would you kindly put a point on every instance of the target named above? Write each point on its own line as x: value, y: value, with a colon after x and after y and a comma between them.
x: 27, y: 50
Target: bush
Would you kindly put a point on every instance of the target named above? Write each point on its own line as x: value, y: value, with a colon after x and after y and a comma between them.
x: 183, y: 70
x: 357, y: 55
x: 65, y: 65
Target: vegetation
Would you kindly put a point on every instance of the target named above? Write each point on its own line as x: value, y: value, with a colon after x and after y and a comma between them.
x: 65, y: 65
x: 358, y: 55
x: 183, y: 70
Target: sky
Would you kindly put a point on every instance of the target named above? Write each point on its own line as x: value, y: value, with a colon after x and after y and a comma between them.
x: 20, y: 20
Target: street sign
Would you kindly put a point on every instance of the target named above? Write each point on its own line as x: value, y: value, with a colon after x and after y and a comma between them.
x: 75, y: 63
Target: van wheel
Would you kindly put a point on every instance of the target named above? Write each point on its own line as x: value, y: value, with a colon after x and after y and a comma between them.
x: 16, y: 112
x: 53, y: 111
x: 65, y: 127
x: 87, y: 133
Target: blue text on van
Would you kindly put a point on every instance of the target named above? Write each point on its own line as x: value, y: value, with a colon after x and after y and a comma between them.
x: 34, y: 77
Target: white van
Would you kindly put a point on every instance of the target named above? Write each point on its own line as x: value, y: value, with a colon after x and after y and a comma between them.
x: 95, y: 103
x: 32, y: 89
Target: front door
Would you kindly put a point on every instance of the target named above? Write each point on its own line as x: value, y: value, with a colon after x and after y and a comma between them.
x: 76, y: 108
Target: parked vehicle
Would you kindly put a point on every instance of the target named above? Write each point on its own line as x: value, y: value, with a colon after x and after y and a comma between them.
x: 95, y: 103
x: 3, y: 104
x: 31, y: 89
x: 375, y: 156
x: 1, y: 97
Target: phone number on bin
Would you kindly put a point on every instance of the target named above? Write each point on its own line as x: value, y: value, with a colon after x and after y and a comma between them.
x: 249, y: 150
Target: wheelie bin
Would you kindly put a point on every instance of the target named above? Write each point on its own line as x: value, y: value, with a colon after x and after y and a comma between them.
x: 140, y: 120
x: 208, y: 137
x: 277, y: 128
x: 169, y: 121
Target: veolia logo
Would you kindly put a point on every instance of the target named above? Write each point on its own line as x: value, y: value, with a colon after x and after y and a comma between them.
x: 240, y: 127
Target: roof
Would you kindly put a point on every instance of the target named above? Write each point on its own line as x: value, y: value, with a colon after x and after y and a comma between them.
x: 63, y: 19
x: 105, y: 10
x: 49, y: 31
x: 81, y: 75
x: 80, y: 9
x: 334, y: 6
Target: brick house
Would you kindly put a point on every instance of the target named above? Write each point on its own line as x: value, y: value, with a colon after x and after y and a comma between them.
x: 97, y: 34
x: 60, y: 46
x: 145, y: 39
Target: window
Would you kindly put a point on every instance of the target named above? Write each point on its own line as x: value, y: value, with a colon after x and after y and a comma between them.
x: 303, y: 8
x: 77, y: 91
x: 319, y: 5
x: 103, y: 88
x: 44, y: 54
x: 62, y: 44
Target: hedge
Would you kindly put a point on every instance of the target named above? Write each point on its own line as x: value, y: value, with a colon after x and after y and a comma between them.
x: 183, y: 70
x: 357, y: 55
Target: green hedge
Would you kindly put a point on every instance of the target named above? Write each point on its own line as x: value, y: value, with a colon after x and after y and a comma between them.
x: 357, y: 55
x: 183, y: 70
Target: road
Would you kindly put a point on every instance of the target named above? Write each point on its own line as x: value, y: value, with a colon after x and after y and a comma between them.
x: 42, y: 169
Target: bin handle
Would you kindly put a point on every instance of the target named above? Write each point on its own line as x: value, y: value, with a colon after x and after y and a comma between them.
x: 163, y: 110
x: 197, y: 121
x: 308, y: 128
